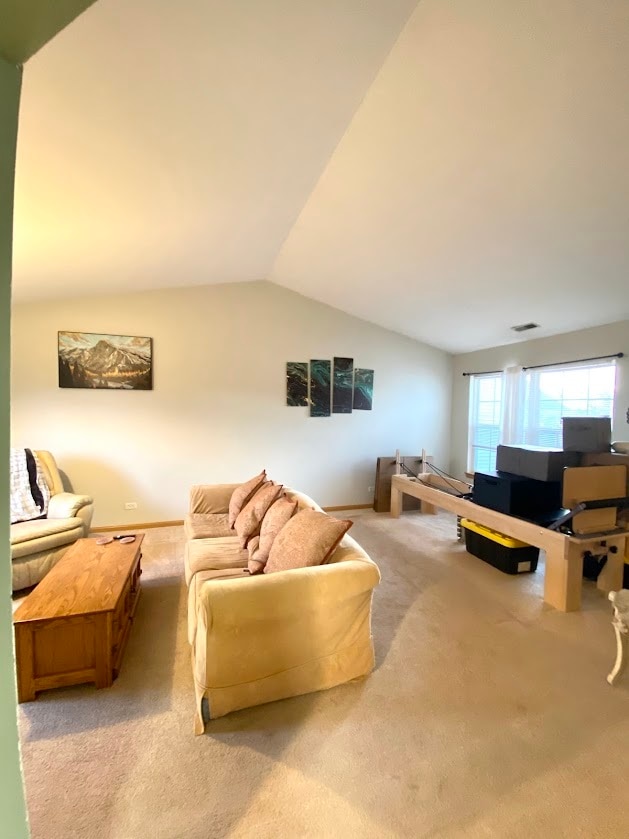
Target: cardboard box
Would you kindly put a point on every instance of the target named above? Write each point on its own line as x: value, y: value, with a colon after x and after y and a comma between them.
x: 607, y: 459
x: 587, y: 434
x: 535, y: 461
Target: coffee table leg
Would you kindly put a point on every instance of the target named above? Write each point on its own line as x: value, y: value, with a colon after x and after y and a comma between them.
x: 24, y: 662
x: 103, y: 660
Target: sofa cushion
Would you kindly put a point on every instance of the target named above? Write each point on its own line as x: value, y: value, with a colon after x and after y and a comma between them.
x: 207, y: 525
x: 276, y: 517
x: 242, y: 494
x: 309, y: 538
x: 249, y: 519
x: 213, y: 555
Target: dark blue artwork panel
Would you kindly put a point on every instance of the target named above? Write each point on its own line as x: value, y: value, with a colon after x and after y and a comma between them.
x: 320, y: 387
x: 363, y: 389
x: 343, y: 385
x: 297, y: 383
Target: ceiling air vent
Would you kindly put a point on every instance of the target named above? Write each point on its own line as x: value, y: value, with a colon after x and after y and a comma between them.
x: 524, y: 327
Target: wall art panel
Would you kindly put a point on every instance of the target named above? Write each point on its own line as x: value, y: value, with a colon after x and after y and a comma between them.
x: 297, y: 383
x: 363, y: 389
x: 320, y: 388
x: 343, y: 385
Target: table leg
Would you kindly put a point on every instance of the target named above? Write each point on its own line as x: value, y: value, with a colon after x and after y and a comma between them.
x: 611, y: 577
x: 396, y: 502
x: 563, y: 577
x: 24, y: 664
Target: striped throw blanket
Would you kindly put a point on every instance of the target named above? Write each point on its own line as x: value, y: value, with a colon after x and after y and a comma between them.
x: 29, y: 491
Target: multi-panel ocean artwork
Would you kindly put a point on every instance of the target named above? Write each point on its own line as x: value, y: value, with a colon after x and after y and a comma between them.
x: 297, y: 383
x: 329, y: 388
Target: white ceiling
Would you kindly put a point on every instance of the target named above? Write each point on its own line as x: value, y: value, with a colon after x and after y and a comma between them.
x: 469, y: 176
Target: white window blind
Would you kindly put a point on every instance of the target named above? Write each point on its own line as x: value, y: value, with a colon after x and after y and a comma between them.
x: 584, y: 389
x: 485, y: 413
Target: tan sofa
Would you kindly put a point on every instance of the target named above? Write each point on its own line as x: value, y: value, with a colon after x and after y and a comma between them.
x: 258, y: 638
x: 37, y: 545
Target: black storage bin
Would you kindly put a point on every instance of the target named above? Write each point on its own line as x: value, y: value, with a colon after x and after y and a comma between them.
x: 483, y: 543
x: 515, y: 495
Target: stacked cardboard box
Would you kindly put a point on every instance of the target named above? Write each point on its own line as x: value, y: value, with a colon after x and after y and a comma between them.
x: 581, y: 436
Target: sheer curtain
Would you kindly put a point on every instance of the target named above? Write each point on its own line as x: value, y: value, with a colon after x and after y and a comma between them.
x: 511, y: 425
x: 520, y: 406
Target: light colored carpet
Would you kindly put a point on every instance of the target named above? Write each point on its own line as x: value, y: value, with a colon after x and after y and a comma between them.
x: 488, y: 715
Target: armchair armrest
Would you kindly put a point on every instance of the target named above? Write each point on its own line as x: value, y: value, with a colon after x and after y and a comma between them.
x: 66, y: 505
x: 211, y: 498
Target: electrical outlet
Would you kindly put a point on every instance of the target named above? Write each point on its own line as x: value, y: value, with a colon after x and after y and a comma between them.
x: 131, y: 505
x: 370, y: 489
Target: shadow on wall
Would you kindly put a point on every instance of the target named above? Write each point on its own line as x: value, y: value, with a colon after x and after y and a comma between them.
x: 103, y: 481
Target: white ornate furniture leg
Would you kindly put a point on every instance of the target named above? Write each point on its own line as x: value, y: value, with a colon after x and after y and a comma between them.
x: 620, y: 622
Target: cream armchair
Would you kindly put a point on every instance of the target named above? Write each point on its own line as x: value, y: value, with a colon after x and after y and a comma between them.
x: 270, y: 636
x: 36, y: 546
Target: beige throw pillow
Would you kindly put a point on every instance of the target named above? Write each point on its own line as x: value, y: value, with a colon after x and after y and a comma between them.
x: 309, y: 538
x: 250, y: 517
x: 242, y: 494
x: 276, y: 517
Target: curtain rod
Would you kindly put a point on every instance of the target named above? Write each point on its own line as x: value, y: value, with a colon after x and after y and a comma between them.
x: 576, y: 361
x: 484, y: 373
x: 554, y: 364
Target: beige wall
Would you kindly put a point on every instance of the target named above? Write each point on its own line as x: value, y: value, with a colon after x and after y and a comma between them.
x: 217, y: 411
x: 12, y: 812
x: 586, y: 343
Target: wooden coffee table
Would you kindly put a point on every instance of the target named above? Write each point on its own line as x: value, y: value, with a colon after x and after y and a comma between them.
x: 73, y: 627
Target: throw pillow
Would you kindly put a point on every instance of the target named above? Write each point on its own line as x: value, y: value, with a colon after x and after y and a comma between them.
x: 276, y: 517
x: 250, y: 517
x: 309, y: 538
x: 242, y: 494
x: 252, y: 546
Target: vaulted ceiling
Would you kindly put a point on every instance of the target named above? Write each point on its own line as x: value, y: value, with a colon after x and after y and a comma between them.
x: 445, y: 169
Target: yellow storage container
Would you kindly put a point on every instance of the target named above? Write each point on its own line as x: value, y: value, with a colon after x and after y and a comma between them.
x: 509, y: 555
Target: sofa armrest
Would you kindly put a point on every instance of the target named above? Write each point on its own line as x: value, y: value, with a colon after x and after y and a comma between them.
x: 254, y: 628
x: 284, y: 595
x: 67, y: 505
x: 211, y: 498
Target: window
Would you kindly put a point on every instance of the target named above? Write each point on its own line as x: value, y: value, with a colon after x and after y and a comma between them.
x: 527, y: 406
x: 575, y: 390
x: 484, y: 421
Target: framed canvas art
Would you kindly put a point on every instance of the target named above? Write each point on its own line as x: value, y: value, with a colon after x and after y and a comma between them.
x: 112, y: 362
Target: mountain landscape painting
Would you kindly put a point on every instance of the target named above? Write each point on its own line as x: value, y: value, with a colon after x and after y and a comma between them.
x: 91, y: 360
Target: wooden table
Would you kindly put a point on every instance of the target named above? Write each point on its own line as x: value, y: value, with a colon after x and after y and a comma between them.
x: 563, y: 575
x: 73, y: 627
